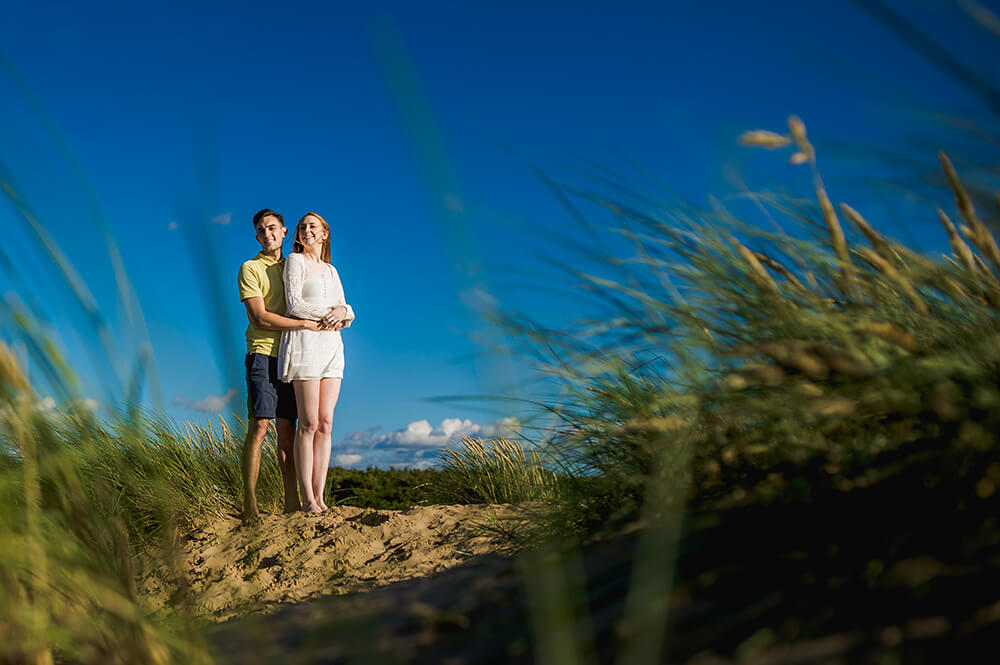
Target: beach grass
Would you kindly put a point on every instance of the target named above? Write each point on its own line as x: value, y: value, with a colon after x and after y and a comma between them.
x: 791, y: 423
x: 79, y: 507
x: 740, y: 379
x: 495, y: 471
x: 798, y: 419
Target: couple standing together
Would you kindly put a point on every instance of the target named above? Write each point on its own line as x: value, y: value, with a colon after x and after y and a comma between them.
x: 295, y: 357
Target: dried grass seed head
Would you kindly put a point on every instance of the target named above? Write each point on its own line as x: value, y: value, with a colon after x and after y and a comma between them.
x: 762, y: 138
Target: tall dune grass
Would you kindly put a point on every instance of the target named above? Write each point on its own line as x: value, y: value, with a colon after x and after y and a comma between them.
x: 740, y: 380
x: 735, y: 380
x: 79, y: 505
x: 735, y: 369
x: 728, y: 349
x: 498, y: 471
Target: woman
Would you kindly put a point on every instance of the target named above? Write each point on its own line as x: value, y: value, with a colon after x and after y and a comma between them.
x: 313, y: 361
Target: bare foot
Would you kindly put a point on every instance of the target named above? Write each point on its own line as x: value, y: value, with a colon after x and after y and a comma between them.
x: 251, y: 517
x: 323, y: 506
x: 311, y: 508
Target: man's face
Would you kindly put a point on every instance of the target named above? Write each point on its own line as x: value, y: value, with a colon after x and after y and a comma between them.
x: 270, y: 234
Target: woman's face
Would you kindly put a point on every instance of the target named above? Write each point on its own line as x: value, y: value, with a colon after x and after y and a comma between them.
x: 311, y: 232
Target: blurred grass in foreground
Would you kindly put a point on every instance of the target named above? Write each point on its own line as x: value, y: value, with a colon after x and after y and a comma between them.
x: 801, y: 425
x: 89, y: 504
x: 766, y: 437
x: 795, y: 430
x: 724, y: 367
x: 79, y: 504
x: 774, y: 447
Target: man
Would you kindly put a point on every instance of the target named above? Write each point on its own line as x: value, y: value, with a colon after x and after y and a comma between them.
x: 262, y: 291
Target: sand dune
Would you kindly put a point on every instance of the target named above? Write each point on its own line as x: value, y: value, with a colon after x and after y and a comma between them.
x: 232, y: 569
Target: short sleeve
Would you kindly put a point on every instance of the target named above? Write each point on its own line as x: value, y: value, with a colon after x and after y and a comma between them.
x: 248, y: 282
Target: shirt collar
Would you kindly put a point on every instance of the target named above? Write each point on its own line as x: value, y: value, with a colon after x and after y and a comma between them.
x: 267, y: 259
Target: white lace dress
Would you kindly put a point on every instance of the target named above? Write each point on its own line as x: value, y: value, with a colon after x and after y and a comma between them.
x: 311, y: 289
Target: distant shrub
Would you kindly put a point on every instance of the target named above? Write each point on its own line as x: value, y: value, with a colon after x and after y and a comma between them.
x: 385, y: 489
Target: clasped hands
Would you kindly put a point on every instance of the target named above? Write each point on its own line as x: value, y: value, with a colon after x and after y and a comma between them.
x: 335, y: 319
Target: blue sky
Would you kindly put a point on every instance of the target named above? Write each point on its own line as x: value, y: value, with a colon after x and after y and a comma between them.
x: 186, y: 118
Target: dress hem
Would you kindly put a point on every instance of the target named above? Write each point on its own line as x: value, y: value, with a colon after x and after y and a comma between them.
x: 309, y: 378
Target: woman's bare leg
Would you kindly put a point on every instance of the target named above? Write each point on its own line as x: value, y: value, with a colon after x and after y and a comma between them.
x: 329, y: 391
x: 307, y: 405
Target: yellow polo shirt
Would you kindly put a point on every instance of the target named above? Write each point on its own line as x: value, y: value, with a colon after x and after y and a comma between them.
x: 262, y: 277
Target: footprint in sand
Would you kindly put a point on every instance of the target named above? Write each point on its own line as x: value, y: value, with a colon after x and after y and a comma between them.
x: 232, y: 570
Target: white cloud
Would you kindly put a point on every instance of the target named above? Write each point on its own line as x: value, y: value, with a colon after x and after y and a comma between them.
x: 421, y: 434
x: 418, y: 434
x: 509, y: 428
x: 479, y: 300
x: 209, y: 403
x: 223, y: 219
x: 172, y: 226
x: 89, y: 404
x: 48, y: 404
x: 416, y: 445
x: 347, y: 459
x: 365, y: 438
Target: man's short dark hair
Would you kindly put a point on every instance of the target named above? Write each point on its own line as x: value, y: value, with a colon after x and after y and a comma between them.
x: 266, y: 212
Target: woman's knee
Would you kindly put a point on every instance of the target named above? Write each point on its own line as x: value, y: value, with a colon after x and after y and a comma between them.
x: 325, y: 425
x: 307, y: 425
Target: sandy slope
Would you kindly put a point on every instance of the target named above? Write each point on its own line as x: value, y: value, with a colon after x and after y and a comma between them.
x: 232, y: 569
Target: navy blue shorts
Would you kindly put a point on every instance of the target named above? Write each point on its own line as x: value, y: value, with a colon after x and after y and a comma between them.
x: 267, y: 395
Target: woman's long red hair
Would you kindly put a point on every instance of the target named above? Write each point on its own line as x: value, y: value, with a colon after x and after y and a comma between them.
x: 298, y: 247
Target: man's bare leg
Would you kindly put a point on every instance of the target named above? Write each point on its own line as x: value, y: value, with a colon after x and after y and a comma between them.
x: 256, y: 431
x: 286, y: 462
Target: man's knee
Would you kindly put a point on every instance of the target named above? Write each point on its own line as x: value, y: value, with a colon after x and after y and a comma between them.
x: 257, y: 430
x: 286, y: 432
x: 284, y: 427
